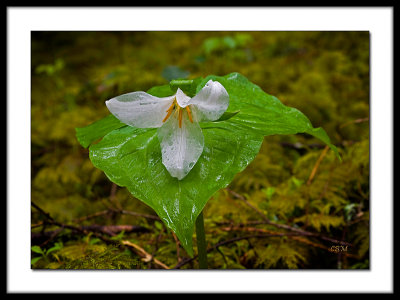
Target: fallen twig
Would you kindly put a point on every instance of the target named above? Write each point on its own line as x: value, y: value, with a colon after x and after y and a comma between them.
x: 109, y: 230
x: 146, y: 257
x: 318, y: 162
x: 284, y: 226
x: 117, y: 211
x: 222, y: 243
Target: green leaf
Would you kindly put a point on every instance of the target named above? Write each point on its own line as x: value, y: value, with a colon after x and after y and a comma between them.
x: 188, y: 86
x: 118, y: 237
x: 269, y: 192
x: 297, y: 182
x: 37, y: 249
x: 36, y: 259
x: 262, y: 113
x: 95, y: 131
x: 57, y: 246
x: 93, y: 241
x: 227, y: 115
x: 323, y: 136
x: 161, y: 91
x: 131, y: 157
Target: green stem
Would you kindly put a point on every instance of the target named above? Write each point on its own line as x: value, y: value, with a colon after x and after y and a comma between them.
x: 201, y: 242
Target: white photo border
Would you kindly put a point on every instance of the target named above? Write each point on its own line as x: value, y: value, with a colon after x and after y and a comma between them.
x: 22, y: 20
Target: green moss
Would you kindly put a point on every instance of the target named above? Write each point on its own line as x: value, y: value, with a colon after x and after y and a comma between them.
x: 323, y: 74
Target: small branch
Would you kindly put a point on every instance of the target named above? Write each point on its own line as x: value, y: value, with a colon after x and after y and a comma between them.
x: 41, y: 223
x: 81, y: 230
x: 115, y: 229
x: 110, y: 230
x: 361, y: 120
x: 316, y: 166
x: 117, y: 211
x: 177, y: 243
x: 146, y: 257
x: 50, y: 235
x: 297, y: 237
x: 132, y: 213
x: 223, y: 243
x: 284, y: 226
x: 248, y: 229
x: 91, y: 216
x: 112, y: 198
x: 310, y: 179
x: 47, y: 215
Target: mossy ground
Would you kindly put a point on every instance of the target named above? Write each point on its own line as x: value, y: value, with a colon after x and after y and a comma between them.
x: 323, y: 74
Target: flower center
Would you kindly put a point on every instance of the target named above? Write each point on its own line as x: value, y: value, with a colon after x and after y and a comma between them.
x: 178, y: 110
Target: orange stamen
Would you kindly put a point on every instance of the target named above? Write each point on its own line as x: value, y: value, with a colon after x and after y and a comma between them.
x: 169, y: 111
x: 180, y: 117
x: 189, y: 114
x: 167, y: 116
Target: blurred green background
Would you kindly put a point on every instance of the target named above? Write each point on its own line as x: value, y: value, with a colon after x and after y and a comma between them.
x: 293, y: 181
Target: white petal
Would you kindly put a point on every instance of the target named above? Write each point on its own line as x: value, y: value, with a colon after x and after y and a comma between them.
x: 140, y: 109
x: 210, y: 102
x: 180, y: 147
x: 181, y: 98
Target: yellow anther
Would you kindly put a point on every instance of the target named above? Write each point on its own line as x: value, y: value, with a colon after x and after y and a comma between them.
x: 169, y: 111
x: 178, y: 110
x: 189, y: 114
x: 180, y: 117
x: 167, y: 116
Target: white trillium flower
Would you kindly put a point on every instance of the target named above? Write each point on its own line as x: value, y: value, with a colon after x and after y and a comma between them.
x: 177, y: 118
